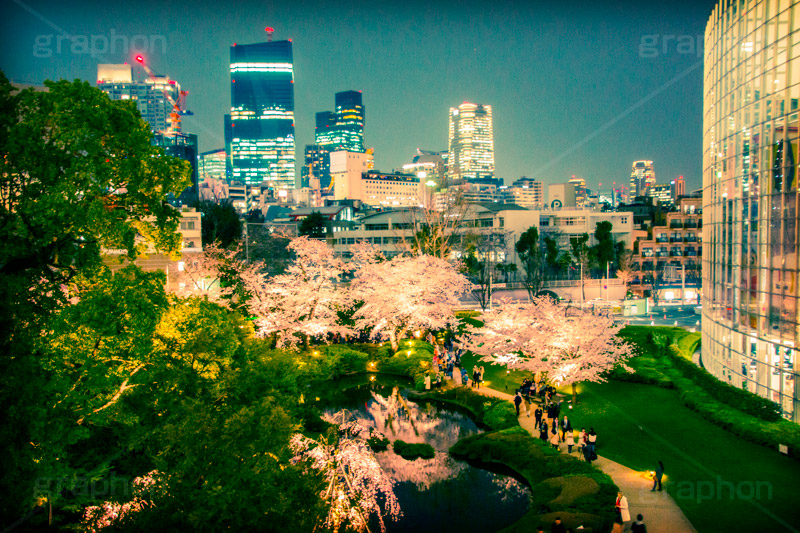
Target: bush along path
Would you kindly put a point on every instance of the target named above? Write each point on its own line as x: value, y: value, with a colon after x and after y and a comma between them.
x: 562, y: 486
x: 660, y: 511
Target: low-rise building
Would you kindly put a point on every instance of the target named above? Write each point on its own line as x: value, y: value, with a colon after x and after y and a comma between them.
x: 670, y: 257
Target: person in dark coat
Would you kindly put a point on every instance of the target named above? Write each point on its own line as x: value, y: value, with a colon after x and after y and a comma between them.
x: 517, y: 401
x: 543, y: 431
x: 538, y: 414
x: 558, y: 527
x: 657, y: 477
x: 639, y: 526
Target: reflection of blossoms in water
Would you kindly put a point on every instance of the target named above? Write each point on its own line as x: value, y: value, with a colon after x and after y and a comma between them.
x: 356, y: 486
x: 423, y: 473
x: 508, y: 488
x: 398, y: 418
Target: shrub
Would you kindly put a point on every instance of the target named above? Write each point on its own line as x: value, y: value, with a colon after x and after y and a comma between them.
x: 744, y: 401
x: 344, y: 360
x: 412, y: 451
x: 374, y: 351
x: 377, y: 441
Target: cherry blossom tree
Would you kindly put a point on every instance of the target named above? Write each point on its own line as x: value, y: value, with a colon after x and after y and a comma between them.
x: 355, y: 482
x: 404, y: 293
x: 200, y: 274
x: 303, y: 301
x: 570, y: 345
x: 110, y: 513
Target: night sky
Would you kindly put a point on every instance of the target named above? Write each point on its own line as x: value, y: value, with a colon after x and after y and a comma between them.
x: 581, y: 88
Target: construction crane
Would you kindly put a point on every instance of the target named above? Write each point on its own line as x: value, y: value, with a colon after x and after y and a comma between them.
x: 178, y: 107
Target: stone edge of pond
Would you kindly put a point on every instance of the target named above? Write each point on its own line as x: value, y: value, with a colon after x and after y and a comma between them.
x: 493, y: 447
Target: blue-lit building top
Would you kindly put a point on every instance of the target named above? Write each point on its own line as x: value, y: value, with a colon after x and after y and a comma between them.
x: 343, y: 128
x: 262, y: 140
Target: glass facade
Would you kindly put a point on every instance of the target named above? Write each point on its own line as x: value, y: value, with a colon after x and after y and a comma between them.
x: 471, y: 142
x: 262, y: 144
x: 750, y: 197
x: 643, y: 176
x: 342, y: 129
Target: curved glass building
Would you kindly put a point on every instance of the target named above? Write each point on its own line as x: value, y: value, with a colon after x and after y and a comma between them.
x: 750, y: 198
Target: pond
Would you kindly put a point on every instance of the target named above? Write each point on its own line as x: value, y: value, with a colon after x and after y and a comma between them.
x: 439, y: 494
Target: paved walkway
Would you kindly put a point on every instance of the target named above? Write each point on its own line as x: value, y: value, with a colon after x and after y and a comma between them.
x: 661, y: 513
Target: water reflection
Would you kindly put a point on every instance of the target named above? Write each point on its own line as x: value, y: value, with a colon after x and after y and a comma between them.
x: 439, y: 494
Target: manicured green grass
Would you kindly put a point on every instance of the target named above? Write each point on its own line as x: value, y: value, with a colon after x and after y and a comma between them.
x: 639, y: 425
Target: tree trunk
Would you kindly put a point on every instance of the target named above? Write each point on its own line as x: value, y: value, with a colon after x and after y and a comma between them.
x: 574, y: 394
x: 393, y: 340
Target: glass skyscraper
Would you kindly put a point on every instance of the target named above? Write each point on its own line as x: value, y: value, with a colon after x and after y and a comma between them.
x: 262, y: 114
x: 643, y: 176
x: 750, y: 198
x: 342, y: 129
x: 471, y: 145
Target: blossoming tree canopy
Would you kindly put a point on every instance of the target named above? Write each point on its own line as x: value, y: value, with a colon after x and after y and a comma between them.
x: 302, y: 302
x: 404, y: 293
x: 570, y: 345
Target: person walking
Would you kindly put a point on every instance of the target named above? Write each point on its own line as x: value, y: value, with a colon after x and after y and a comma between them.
x: 639, y: 526
x: 558, y: 527
x: 483, y: 370
x: 621, y: 509
x: 566, y: 426
x: 591, y: 440
x: 475, y: 376
x: 554, y: 436
x: 517, y: 402
x: 570, y: 438
x: 657, y: 477
x: 538, y: 415
x: 543, y: 431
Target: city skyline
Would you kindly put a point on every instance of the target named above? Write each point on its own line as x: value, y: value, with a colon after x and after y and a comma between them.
x: 534, y: 64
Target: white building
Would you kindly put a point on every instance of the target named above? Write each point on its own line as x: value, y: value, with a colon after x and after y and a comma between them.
x: 352, y: 180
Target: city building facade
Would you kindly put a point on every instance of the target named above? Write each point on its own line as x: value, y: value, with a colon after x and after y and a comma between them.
x: 154, y: 106
x: 642, y: 176
x: 353, y: 180
x: 262, y: 137
x: 667, y: 263
x: 750, y: 198
x: 471, y: 145
x: 212, y: 164
x: 677, y: 189
x: 342, y: 129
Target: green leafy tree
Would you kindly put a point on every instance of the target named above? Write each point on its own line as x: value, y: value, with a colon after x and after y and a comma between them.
x: 529, y: 249
x: 314, y: 225
x: 556, y: 260
x: 579, y: 249
x: 604, y: 252
x: 79, y: 174
x: 220, y: 223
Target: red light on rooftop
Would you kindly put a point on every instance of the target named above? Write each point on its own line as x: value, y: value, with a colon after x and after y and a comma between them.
x: 172, y: 82
x: 290, y: 40
x: 268, y: 29
x: 140, y: 59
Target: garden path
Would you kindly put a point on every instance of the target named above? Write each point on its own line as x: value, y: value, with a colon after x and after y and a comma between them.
x: 661, y: 513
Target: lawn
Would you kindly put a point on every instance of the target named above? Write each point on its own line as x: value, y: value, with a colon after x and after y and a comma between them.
x: 641, y: 424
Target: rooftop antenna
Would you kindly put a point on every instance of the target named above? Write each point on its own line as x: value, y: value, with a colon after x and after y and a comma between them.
x: 269, y: 31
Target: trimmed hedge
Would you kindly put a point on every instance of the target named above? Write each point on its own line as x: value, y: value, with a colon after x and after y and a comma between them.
x: 410, y: 451
x: 740, y: 412
x: 742, y: 400
x: 495, y: 413
x: 536, y: 462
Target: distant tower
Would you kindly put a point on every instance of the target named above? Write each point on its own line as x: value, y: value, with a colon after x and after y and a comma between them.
x: 471, y: 142
x: 677, y: 189
x: 642, y: 177
x: 262, y: 113
x: 343, y: 128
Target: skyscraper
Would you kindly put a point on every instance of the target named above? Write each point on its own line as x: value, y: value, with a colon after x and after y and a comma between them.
x: 642, y: 176
x: 751, y: 280
x: 342, y: 129
x: 262, y: 114
x: 318, y: 163
x: 118, y: 83
x: 471, y: 142
x: 677, y: 189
